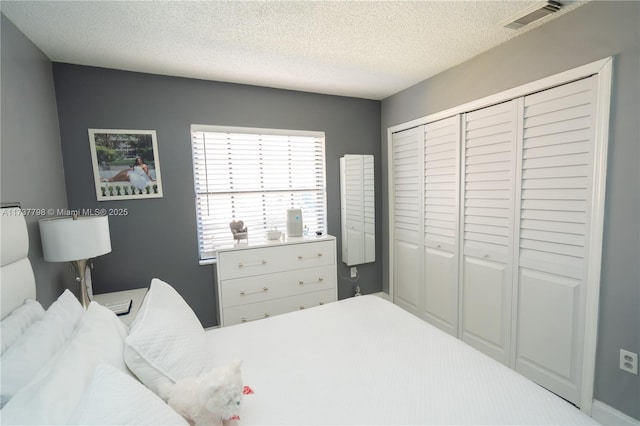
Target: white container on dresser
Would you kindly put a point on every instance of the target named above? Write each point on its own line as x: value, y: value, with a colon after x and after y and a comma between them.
x: 259, y: 280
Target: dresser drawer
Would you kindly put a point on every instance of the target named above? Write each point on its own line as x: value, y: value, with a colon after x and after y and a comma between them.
x: 265, y: 260
x: 261, y: 310
x: 239, y: 291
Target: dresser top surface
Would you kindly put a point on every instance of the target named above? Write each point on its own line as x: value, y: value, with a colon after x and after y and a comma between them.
x: 264, y: 242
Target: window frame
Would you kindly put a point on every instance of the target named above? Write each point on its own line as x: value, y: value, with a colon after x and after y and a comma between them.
x: 204, y: 257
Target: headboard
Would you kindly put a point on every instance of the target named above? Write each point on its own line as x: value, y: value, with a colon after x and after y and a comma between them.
x: 17, y: 281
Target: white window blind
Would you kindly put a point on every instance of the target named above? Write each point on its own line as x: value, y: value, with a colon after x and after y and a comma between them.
x: 255, y: 175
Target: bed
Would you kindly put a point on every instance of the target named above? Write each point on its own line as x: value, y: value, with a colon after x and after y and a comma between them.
x: 361, y: 360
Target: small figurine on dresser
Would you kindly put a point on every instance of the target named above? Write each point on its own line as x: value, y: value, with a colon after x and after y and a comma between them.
x: 238, y: 230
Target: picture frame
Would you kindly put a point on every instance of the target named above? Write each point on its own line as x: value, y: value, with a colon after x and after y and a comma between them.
x: 125, y: 163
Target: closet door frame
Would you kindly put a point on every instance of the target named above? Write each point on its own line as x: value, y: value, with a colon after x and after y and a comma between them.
x: 603, y: 69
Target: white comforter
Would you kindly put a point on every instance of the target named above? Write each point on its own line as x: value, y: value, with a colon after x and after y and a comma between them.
x: 366, y: 361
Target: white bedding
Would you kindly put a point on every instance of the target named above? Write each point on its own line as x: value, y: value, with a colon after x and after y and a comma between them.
x: 357, y: 361
x: 366, y: 361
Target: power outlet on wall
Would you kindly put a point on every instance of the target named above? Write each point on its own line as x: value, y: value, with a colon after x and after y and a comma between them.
x: 354, y: 272
x: 629, y: 362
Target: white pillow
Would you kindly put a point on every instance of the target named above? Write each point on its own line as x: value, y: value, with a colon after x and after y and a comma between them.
x: 54, y: 392
x: 18, y: 321
x: 115, y: 398
x: 41, y: 341
x: 166, y: 341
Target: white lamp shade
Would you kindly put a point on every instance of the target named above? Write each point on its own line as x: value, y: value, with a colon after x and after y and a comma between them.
x: 66, y: 239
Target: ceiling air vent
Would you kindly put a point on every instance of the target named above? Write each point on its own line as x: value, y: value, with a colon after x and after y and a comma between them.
x: 532, y: 13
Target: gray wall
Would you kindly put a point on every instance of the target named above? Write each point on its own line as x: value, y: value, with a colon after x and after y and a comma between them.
x: 158, y: 238
x: 593, y: 31
x: 30, y: 155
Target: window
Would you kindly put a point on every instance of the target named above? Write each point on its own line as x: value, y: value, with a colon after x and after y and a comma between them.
x: 255, y: 175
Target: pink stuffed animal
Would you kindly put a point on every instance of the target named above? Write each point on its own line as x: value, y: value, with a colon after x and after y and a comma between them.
x: 211, y: 399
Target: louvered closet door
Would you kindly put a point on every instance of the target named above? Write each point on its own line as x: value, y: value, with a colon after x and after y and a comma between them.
x: 407, y: 218
x: 557, y: 179
x: 441, y: 195
x: 489, y: 186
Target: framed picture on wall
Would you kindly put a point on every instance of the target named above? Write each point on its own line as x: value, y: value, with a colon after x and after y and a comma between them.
x: 125, y: 164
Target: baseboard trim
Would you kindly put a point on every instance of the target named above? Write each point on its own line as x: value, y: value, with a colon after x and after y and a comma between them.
x: 609, y: 416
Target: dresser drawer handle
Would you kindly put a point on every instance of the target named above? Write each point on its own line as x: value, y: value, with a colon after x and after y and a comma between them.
x: 242, y: 265
x: 302, y: 307
x: 311, y: 282
x: 266, y: 315
x: 310, y: 257
x: 244, y: 293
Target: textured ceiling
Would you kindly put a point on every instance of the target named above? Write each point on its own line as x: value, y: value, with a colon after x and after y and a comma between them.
x: 355, y: 48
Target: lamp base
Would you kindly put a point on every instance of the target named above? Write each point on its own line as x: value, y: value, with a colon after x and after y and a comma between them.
x: 80, y: 268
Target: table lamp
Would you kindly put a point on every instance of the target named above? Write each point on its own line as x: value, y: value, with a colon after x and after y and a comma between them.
x: 76, y: 239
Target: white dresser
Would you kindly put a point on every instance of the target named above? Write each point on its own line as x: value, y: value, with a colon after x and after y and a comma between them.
x: 260, y: 280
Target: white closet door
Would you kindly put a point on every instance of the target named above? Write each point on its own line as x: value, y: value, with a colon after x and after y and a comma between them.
x: 441, y: 200
x: 487, y: 255
x: 557, y: 179
x: 407, y: 218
